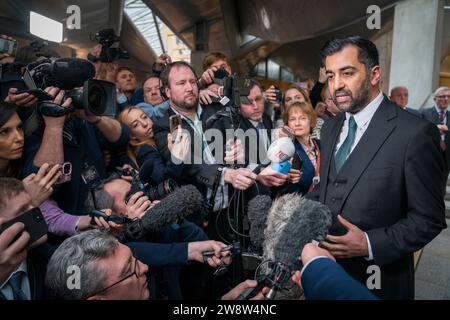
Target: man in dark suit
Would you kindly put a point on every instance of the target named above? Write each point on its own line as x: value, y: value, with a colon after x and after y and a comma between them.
x: 380, y: 174
x: 439, y: 115
x: 22, y: 269
x: 400, y: 96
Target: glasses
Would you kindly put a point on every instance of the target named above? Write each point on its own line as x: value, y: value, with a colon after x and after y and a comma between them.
x: 136, y: 272
x: 247, y: 100
x: 443, y: 96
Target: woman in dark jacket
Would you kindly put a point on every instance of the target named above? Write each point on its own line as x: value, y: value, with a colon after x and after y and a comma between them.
x: 301, y: 119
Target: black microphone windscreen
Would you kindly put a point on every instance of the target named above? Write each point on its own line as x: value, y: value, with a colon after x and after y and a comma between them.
x: 258, y: 209
x: 72, y: 72
x: 178, y: 204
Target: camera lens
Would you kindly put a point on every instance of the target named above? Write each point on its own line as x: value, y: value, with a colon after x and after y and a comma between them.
x: 96, y: 99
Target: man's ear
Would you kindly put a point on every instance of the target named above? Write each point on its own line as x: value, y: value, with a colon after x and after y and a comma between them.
x: 167, y: 92
x: 375, y: 76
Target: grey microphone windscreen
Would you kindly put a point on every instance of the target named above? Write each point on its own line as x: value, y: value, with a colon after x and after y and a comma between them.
x: 258, y: 209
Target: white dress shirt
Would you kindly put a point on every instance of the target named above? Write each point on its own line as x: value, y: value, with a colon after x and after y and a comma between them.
x: 362, y: 119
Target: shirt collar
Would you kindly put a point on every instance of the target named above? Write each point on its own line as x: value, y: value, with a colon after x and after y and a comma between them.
x: 22, y: 267
x: 198, y: 112
x: 439, y: 110
x: 255, y: 123
x: 363, y: 117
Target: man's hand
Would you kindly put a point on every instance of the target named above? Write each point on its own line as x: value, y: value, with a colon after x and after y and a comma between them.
x: 161, y: 61
x: 309, y: 252
x: 271, y: 96
x: 22, y: 99
x: 208, y: 75
x: 205, y: 96
x: 234, y: 293
x: 138, y: 205
x: 57, y: 122
x: 196, y: 249
x: 271, y: 178
x: 179, y: 145
x: 442, y: 128
x: 234, y: 152
x: 39, y: 186
x: 352, y: 244
x: 323, y: 77
x: 12, y: 253
x: 241, y: 178
x: 294, y: 176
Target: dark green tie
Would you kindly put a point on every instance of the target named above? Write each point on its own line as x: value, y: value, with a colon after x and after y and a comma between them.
x: 345, y: 148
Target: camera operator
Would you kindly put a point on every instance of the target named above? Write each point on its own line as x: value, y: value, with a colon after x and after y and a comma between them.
x: 22, y: 267
x: 76, y: 138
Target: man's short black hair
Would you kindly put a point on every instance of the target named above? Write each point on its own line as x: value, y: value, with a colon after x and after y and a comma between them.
x: 367, y: 51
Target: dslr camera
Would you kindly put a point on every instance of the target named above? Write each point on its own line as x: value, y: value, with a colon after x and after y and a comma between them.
x: 110, y: 47
x: 75, y: 76
x: 153, y: 193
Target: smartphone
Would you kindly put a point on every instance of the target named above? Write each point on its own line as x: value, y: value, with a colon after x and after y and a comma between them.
x: 221, y: 73
x: 297, y: 162
x: 38, y: 93
x: 8, y: 46
x: 66, y: 173
x: 174, y: 122
x: 34, y: 223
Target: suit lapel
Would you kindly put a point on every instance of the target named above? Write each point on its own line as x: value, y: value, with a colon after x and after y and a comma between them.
x: 380, y: 128
x: 327, y: 153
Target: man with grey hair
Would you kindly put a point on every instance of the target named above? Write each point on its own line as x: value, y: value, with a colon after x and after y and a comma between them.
x: 94, y: 265
x: 400, y: 96
x: 439, y: 115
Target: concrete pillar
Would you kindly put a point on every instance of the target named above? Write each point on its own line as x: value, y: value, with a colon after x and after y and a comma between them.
x: 416, y: 48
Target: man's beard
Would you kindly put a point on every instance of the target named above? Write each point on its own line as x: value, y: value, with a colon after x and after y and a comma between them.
x: 359, y: 101
x: 186, y: 105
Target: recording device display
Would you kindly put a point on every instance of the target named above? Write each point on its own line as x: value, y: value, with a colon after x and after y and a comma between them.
x: 32, y: 89
x: 8, y: 46
x: 174, y: 122
x: 110, y: 47
x: 297, y: 162
x: 114, y: 218
x: 96, y: 97
x: 34, y: 224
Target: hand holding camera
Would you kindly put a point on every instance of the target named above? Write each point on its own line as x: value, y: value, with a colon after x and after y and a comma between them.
x: 274, y: 96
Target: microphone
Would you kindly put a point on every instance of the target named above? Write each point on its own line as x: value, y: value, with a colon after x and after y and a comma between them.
x: 293, y: 222
x: 279, y: 153
x: 177, y: 205
x: 258, y: 209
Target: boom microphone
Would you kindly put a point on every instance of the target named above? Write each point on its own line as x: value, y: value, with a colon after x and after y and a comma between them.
x: 258, y: 209
x: 179, y: 204
x: 293, y: 222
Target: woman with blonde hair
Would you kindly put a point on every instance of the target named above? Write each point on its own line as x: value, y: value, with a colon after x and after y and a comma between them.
x: 142, y: 147
x: 301, y: 119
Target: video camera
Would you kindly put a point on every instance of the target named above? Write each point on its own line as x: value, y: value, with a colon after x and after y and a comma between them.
x: 233, y: 87
x: 110, y: 53
x: 153, y: 193
x: 74, y: 75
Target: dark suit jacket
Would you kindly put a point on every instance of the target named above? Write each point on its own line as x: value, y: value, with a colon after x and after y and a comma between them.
x: 324, y: 279
x: 200, y: 175
x: 390, y: 187
x: 431, y: 115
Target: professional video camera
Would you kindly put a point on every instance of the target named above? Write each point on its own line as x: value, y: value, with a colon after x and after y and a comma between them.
x: 153, y: 193
x: 110, y: 50
x: 96, y: 97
